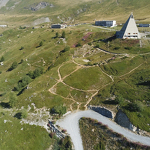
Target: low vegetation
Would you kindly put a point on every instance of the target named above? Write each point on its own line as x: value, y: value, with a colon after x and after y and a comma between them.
x: 97, y: 136
x: 90, y: 61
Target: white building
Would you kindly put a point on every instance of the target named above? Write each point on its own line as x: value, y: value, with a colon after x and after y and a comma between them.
x: 3, y: 26
x: 106, y: 23
x: 129, y: 30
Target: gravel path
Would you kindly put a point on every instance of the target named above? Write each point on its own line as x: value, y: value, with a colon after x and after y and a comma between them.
x: 71, y: 124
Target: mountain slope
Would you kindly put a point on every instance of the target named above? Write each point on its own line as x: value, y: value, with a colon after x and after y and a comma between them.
x: 74, y: 11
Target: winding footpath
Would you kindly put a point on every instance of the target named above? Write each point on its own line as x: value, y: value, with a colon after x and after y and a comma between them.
x: 71, y: 124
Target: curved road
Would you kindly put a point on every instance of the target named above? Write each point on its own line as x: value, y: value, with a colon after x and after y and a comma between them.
x: 71, y: 124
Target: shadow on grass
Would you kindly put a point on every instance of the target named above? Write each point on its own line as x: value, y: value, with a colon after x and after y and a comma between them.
x: 9, y: 69
x: 2, y: 94
x: 110, y: 102
x: 18, y: 115
x: 4, y: 105
x: 146, y: 83
x: 21, y: 91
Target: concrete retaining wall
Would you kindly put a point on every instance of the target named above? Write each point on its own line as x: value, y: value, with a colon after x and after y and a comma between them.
x: 102, y: 110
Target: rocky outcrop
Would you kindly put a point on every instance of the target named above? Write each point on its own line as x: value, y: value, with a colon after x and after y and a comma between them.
x: 122, y: 119
x: 39, y: 6
x: 102, y: 110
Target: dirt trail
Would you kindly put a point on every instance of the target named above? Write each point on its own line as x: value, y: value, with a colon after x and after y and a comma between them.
x: 131, y: 70
x: 79, y: 66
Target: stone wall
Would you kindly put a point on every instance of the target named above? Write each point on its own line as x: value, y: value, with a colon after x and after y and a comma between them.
x: 122, y: 119
x: 102, y: 110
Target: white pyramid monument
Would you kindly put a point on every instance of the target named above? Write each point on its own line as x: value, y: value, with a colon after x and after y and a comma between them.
x: 129, y: 30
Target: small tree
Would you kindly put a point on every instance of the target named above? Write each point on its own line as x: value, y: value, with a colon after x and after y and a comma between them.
x: 21, y: 61
x: 21, y: 48
x: 59, y: 110
x: 78, y: 44
x: 36, y: 73
x: 30, y: 74
x: 134, y: 107
x: 12, y: 100
x: 14, y: 65
x: 63, y: 34
x: 119, y: 99
x: 97, y: 46
x: 56, y: 35
x: 41, y: 44
x: 2, y: 59
x: 24, y: 113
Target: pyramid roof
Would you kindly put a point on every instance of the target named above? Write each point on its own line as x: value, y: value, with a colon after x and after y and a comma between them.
x: 129, y: 30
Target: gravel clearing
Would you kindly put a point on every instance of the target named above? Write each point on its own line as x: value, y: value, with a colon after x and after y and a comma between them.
x: 71, y: 124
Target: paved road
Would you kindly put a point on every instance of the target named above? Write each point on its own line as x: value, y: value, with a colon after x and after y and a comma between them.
x: 71, y: 124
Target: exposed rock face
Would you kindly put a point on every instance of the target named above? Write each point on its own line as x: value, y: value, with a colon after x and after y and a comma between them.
x: 122, y: 119
x: 102, y: 110
x: 38, y: 6
x: 40, y: 20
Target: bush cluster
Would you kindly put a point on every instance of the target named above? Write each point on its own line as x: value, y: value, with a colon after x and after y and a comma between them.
x: 37, y: 72
x: 59, y: 110
x: 67, y: 48
x: 12, y: 100
x: 22, y: 83
x: 134, y: 107
x: 13, y: 66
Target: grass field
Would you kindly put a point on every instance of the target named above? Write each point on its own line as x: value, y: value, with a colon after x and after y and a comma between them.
x: 87, y: 78
x: 21, y: 136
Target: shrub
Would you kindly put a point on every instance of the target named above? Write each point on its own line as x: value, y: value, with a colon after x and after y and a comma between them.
x: 97, y: 46
x: 52, y: 134
x: 24, y: 113
x: 41, y: 44
x: 21, y: 48
x: 116, y: 48
x: 128, y: 48
x: 30, y: 74
x: 67, y: 48
x: 2, y: 59
x: 119, y: 99
x: 22, y: 83
x: 12, y: 100
x: 21, y: 61
x: 56, y: 35
x: 22, y: 27
x: 37, y: 72
x: 78, y: 44
x: 100, y: 146
x: 0, y: 72
x: 135, y: 107
x: 63, y: 131
x: 63, y: 34
x: 59, y: 110
x: 13, y: 66
x: 90, y: 43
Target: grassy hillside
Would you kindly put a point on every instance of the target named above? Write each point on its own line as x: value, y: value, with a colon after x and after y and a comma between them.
x: 43, y: 69
x: 76, y: 11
